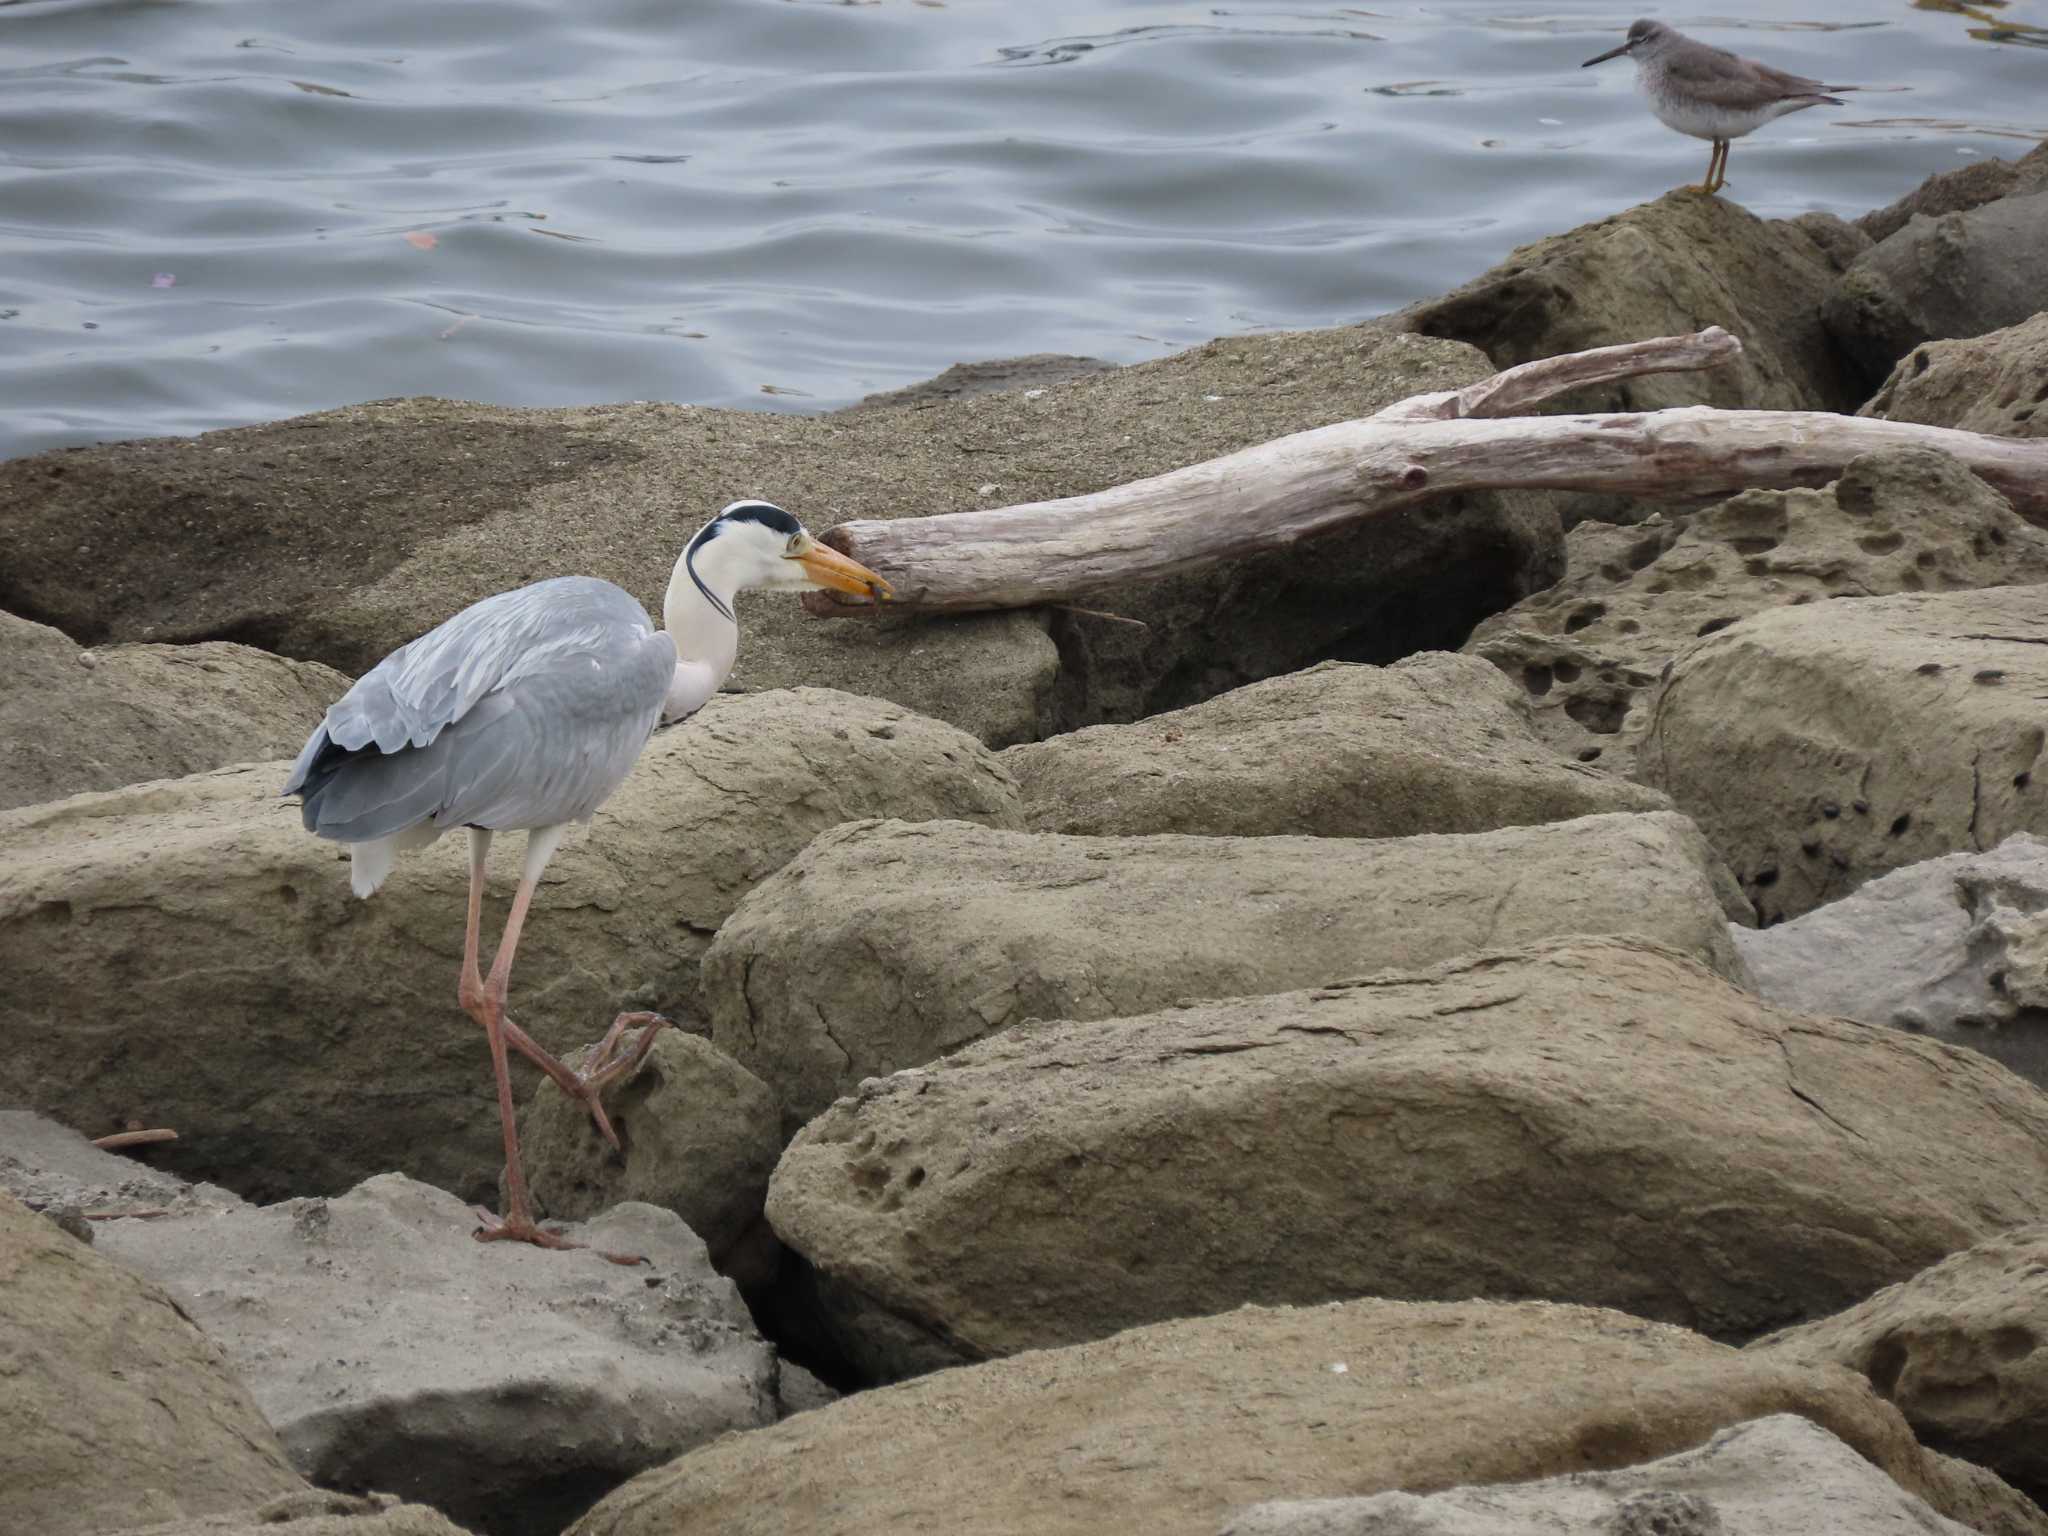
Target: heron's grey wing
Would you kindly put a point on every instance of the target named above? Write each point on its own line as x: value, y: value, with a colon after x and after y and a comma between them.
x: 1719, y: 78
x: 538, y: 696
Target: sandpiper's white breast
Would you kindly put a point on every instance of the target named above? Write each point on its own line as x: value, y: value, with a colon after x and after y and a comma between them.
x: 1686, y: 114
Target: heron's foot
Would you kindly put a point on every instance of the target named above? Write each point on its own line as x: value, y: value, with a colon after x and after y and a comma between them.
x: 521, y: 1228
x: 613, y: 1060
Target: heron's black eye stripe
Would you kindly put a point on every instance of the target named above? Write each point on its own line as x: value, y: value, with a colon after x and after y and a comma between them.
x: 765, y: 513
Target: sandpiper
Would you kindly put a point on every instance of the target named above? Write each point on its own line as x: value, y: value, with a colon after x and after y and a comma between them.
x: 1711, y: 93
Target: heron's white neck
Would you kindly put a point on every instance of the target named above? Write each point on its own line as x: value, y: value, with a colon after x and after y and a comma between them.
x: 707, y: 640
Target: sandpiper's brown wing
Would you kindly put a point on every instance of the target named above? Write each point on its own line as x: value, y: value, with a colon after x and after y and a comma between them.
x: 1718, y: 78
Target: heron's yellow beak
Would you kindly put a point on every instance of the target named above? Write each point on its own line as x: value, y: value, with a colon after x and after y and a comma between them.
x: 829, y: 568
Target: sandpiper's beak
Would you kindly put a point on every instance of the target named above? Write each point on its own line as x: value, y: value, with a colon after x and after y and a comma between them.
x: 1612, y: 53
x: 829, y: 568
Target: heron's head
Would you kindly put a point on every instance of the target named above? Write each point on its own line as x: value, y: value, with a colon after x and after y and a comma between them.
x: 756, y: 544
x: 1645, y: 37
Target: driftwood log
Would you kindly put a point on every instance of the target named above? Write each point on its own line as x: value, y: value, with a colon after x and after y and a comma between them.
x: 1309, y: 483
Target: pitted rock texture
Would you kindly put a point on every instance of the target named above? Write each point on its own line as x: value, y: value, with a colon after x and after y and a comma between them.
x: 1996, y: 383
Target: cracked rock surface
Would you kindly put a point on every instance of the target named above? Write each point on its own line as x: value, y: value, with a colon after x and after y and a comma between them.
x: 1601, y: 1121
x: 506, y: 1385
x: 183, y: 954
x: 884, y: 944
x: 1821, y: 746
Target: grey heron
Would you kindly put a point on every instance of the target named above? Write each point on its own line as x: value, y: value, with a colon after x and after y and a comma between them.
x: 525, y: 712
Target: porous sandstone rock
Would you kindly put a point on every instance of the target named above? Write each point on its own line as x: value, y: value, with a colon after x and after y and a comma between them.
x: 184, y: 954
x: 76, y: 720
x: 1588, y: 651
x: 117, y: 1410
x: 1434, y: 743
x: 701, y: 1137
x: 1594, y: 1120
x: 1821, y: 746
x: 341, y: 535
x: 1954, y: 947
x: 1764, y: 1478
x: 1961, y: 1348
x: 1172, y: 1427
x: 1996, y: 383
x: 885, y: 945
x: 505, y: 1385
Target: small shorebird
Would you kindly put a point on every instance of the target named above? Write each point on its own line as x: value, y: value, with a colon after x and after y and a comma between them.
x: 524, y: 712
x: 1710, y: 93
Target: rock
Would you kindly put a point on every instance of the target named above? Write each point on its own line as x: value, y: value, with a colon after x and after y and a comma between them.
x: 341, y: 535
x: 1955, y: 947
x: 1435, y: 743
x: 184, y: 954
x: 1995, y: 383
x: 1961, y: 1348
x: 798, y: 1391
x: 1588, y: 651
x: 1665, y: 268
x: 505, y: 1385
x: 1969, y: 186
x: 1171, y: 1427
x: 701, y: 1133
x: 1961, y: 274
x: 1551, y: 1123
x: 885, y: 945
x: 117, y: 1411
x: 1821, y: 746
x: 317, y: 1513
x: 1036, y: 370
x: 50, y: 1167
x: 77, y: 720
x: 1769, y: 1476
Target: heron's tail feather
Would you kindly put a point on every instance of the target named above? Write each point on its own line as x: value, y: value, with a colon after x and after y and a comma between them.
x: 370, y: 863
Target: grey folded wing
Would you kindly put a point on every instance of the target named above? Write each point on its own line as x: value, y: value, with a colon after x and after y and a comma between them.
x: 524, y: 710
x: 1717, y: 78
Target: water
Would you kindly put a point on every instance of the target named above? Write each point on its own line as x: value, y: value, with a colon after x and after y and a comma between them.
x: 221, y: 211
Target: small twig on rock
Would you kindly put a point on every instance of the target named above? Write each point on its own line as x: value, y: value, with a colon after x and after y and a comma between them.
x: 120, y: 1139
x: 1097, y: 613
x: 141, y: 1215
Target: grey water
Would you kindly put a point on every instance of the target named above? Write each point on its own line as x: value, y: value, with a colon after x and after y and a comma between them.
x: 222, y: 211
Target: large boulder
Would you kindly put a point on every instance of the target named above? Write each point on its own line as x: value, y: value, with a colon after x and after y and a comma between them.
x: 1765, y: 1478
x: 701, y: 1136
x: 1968, y: 186
x: 506, y: 1385
x: 76, y: 720
x: 339, y: 536
x: 117, y: 1411
x: 1554, y: 1123
x: 885, y: 945
x: 1960, y: 274
x: 1995, y: 383
x: 184, y: 954
x: 1962, y: 1349
x: 315, y: 1512
x: 1821, y: 746
x: 1172, y: 1427
x: 1955, y: 947
x: 1435, y: 743
x: 1589, y: 650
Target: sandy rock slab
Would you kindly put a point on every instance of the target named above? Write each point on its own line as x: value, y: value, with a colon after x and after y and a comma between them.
x: 1996, y: 383
x: 506, y: 1386
x: 77, y: 720
x: 315, y: 1512
x: 1434, y: 743
x: 701, y: 1136
x: 52, y: 1169
x: 1175, y: 1426
x: 885, y: 945
x: 1960, y: 274
x: 1596, y: 1120
x: 1768, y: 1477
x: 1821, y: 746
x: 1589, y: 651
x: 116, y: 1409
x: 186, y: 955
x: 340, y: 536
x: 1961, y: 1348
x: 1955, y: 947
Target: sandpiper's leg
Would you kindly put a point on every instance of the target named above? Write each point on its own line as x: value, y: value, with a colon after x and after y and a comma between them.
x: 1720, y: 176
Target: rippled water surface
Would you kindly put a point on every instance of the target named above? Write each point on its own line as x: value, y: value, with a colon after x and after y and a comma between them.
x: 216, y: 211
